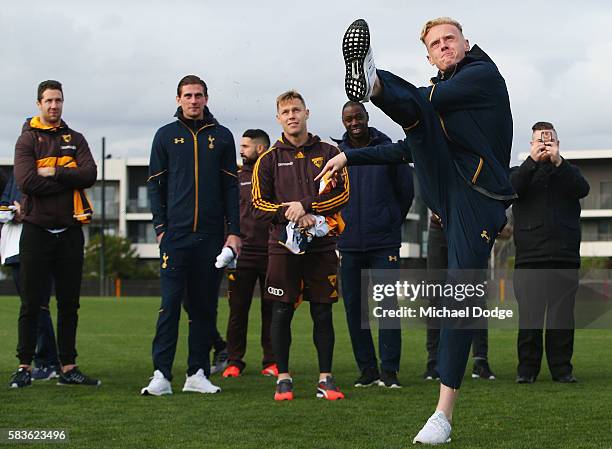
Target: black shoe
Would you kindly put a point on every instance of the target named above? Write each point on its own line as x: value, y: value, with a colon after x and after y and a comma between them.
x: 369, y: 377
x: 21, y: 378
x: 389, y: 379
x: 359, y: 62
x: 219, y: 362
x: 431, y: 374
x: 567, y: 379
x: 482, y: 370
x: 76, y: 377
x: 525, y: 379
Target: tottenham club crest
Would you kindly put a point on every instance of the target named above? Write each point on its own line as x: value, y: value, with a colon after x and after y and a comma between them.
x: 211, y: 142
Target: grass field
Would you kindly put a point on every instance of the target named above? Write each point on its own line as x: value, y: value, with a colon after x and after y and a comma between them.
x: 114, y: 343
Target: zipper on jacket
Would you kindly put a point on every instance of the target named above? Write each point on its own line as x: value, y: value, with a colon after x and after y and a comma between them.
x: 195, y: 168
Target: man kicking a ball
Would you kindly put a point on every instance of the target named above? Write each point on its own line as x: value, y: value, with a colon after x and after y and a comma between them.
x: 459, y: 136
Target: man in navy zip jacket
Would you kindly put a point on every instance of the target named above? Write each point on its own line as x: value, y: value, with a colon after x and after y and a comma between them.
x: 380, y: 197
x: 459, y: 135
x: 193, y: 188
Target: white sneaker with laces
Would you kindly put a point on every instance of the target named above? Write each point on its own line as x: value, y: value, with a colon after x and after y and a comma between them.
x: 199, y: 383
x: 158, y: 386
x: 436, y: 430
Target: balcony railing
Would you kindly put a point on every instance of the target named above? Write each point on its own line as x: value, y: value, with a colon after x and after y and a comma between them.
x: 597, y: 236
x: 137, y: 206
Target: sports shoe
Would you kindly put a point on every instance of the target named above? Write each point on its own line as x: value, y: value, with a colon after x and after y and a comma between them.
x: 482, y: 370
x: 525, y: 379
x: 389, y: 379
x: 369, y: 377
x: 232, y: 371
x: 431, y: 374
x: 20, y: 378
x: 327, y: 389
x: 284, y: 390
x: 76, y: 377
x: 158, y: 386
x: 566, y: 379
x: 359, y: 62
x: 270, y: 370
x: 436, y: 430
x: 219, y: 362
x: 45, y: 373
x: 199, y: 383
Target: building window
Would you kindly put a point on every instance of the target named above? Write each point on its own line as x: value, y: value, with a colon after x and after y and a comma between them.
x: 606, y: 194
x: 141, y: 232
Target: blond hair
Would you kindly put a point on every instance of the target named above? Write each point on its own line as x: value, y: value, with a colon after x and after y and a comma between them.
x: 439, y: 21
x: 288, y: 96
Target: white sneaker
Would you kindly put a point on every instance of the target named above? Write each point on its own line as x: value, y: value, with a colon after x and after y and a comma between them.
x: 199, y: 383
x: 436, y: 430
x: 359, y: 62
x: 158, y: 386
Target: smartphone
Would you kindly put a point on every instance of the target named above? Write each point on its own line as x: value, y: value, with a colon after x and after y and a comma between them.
x: 546, y: 136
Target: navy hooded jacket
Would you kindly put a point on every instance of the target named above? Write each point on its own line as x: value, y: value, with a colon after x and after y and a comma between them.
x: 193, y: 183
x: 471, y: 102
x: 380, y: 197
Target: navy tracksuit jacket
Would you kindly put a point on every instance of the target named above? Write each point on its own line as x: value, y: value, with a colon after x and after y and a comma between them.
x: 459, y: 135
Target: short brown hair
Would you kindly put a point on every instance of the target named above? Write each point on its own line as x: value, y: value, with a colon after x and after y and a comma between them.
x: 49, y: 85
x: 191, y: 79
x: 439, y: 21
x: 542, y: 126
x: 288, y: 96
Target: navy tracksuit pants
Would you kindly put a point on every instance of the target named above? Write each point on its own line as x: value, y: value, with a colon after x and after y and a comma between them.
x: 188, y: 277
x: 389, y: 332
x: 471, y: 220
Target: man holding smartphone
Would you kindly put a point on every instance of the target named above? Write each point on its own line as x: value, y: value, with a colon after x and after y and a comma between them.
x: 547, y: 239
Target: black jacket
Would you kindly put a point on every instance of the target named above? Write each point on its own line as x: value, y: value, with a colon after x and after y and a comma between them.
x: 380, y: 197
x: 192, y: 182
x: 547, y: 211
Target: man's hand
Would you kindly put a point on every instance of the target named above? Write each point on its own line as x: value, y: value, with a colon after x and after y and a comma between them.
x: 18, y: 218
x: 294, y: 211
x: 234, y: 242
x: 307, y: 221
x: 333, y: 166
x: 552, y: 151
x: 46, y: 171
x: 159, y: 237
x: 538, y: 151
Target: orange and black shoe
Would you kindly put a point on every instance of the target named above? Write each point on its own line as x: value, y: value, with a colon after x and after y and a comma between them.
x: 327, y: 389
x: 284, y: 390
x: 270, y: 370
x: 232, y: 371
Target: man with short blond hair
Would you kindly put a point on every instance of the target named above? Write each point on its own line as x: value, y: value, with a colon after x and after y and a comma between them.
x: 286, y: 195
x: 459, y: 136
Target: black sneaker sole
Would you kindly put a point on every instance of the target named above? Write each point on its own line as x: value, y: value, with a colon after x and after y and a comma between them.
x: 355, y: 46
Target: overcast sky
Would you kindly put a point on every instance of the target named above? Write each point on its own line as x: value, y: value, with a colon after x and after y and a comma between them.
x: 120, y: 62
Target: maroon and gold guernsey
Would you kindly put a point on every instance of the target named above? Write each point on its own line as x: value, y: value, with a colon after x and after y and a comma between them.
x: 254, y: 232
x: 286, y: 173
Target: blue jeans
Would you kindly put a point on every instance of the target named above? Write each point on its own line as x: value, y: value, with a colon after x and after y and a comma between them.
x: 357, y: 314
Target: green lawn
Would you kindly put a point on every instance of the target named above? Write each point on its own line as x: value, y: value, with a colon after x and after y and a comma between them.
x: 115, y: 344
